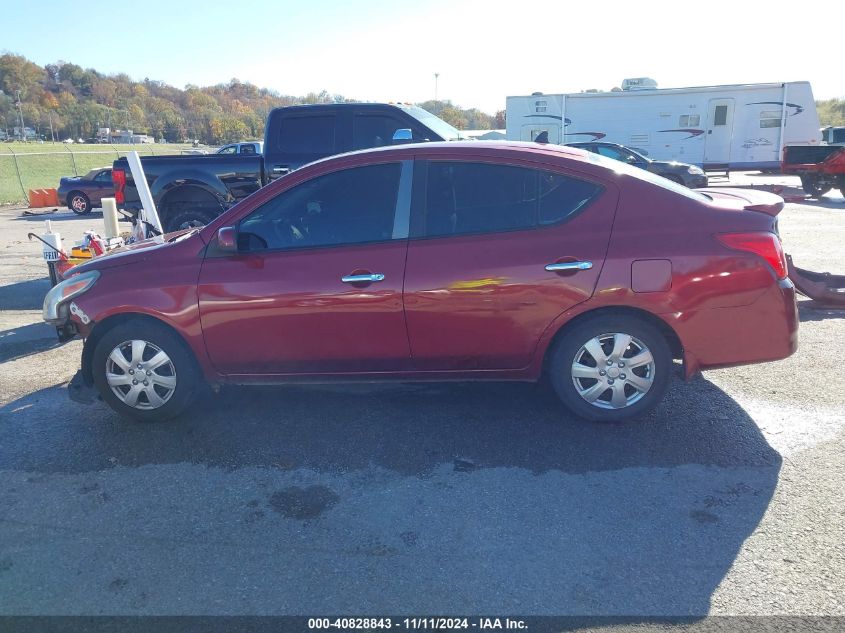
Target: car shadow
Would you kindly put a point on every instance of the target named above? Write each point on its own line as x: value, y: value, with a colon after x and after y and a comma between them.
x: 25, y: 340
x: 809, y: 310
x: 655, y: 511
x: 24, y: 295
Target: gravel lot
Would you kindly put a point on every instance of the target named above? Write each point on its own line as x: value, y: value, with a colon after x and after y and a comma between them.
x: 729, y: 499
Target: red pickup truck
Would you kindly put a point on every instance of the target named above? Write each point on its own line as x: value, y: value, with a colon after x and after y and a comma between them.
x: 821, y: 167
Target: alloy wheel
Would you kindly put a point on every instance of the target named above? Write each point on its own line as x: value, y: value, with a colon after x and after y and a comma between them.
x: 613, y: 370
x: 140, y: 374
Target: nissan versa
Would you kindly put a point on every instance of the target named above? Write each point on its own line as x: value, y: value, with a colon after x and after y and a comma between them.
x: 441, y: 261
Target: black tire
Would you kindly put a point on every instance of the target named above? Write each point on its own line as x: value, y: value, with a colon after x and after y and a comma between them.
x: 841, y: 184
x: 78, y: 202
x: 185, y: 217
x: 812, y: 186
x: 157, y: 337
x: 571, y: 344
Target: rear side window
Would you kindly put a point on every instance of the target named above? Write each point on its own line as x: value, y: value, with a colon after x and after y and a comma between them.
x: 308, y: 135
x: 464, y: 198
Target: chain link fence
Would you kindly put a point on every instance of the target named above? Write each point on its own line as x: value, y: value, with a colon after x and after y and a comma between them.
x: 20, y: 172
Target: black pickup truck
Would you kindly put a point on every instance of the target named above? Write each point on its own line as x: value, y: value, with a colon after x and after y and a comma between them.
x: 193, y: 190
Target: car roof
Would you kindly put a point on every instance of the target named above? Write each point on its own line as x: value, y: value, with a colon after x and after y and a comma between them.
x: 473, y: 148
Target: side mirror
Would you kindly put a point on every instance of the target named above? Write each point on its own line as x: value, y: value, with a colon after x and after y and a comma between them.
x: 227, y: 239
x: 403, y: 135
x: 632, y: 160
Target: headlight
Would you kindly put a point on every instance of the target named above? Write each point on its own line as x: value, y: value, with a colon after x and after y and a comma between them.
x: 55, y: 303
x: 696, y: 171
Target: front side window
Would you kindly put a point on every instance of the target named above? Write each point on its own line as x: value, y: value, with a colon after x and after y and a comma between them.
x: 351, y: 206
x: 463, y: 198
x: 308, y: 134
x: 104, y: 176
x: 231, y: 149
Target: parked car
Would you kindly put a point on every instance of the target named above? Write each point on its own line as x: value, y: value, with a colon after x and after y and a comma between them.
x: 193, y: 190
x: 441, y: 261
x: 682, y: 173
x: 83, y: 193
x: 250, y: 148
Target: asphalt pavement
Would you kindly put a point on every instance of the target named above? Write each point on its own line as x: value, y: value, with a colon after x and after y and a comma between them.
x: 436, y: 498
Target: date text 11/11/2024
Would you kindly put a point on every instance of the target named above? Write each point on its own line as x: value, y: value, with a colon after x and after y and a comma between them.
x: 414, y: 624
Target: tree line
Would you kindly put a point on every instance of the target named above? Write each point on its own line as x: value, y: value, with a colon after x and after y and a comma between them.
x: 64, y: 100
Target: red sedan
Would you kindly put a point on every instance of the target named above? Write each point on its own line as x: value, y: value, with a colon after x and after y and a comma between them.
x: 442, y: 261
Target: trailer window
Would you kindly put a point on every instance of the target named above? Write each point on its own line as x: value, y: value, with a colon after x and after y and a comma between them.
x: 720, y: 115
x: 689, y: 120
x: 770, y: 118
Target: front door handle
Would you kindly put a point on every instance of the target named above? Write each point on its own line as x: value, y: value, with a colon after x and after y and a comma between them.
x: 362, y: 279
x: 280, y: 170
x: 562, y: 266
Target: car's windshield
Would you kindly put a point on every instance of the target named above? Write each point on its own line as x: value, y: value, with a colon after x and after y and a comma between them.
x: 92, y: 174
x: 624, y: 168
x: 436, y: 124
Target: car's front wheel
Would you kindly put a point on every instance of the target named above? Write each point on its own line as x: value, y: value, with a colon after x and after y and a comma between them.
x: 610, y: 368
x: 143, y: 370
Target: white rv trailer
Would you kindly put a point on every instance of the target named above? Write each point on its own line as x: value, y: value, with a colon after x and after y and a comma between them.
x: 741, y: 126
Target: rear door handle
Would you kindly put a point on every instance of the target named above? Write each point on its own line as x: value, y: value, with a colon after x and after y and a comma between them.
x: 555, y: 268
x: 280, y: 170
x: 362, y: 279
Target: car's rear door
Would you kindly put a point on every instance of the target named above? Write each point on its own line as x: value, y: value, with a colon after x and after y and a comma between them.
x: 316, y: 286
x: 497, y: 252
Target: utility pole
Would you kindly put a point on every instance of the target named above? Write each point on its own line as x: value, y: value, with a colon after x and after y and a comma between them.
x: 436, y: 77
x: 20, y: 114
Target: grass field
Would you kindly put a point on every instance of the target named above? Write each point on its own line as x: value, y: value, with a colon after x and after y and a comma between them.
x: 42, y: 165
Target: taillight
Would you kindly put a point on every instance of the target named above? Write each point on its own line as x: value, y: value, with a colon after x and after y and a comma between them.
x: 764, y: 244
x: 118, y: 178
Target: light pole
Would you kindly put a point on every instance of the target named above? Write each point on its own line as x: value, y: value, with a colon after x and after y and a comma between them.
x: 436, y: 77
x: 20, y: 114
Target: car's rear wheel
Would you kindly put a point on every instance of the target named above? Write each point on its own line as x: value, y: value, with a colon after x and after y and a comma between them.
x: 611, y: 367
x: 79, y: 203
x: 143, y: 370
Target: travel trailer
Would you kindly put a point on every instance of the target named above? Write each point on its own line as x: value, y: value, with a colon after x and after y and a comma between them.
x: 730, y: 127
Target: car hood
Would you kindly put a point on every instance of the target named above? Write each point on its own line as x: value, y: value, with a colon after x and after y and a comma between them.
x: 133, y: 253
x: 744, y: 199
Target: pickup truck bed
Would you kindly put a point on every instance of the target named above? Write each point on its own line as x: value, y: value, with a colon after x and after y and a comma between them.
x: 186, y: 191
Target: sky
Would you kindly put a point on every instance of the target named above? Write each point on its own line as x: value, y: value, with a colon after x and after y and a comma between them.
x: 377, y: 50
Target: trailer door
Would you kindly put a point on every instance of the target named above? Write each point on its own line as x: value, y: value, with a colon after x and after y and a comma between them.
x: 720, y: 123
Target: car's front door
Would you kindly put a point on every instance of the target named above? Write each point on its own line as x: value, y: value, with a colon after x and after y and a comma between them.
x: 316, y: 285
x: 497, y: 252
